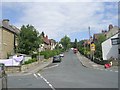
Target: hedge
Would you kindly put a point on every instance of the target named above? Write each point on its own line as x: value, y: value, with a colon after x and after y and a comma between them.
x: 30, y: 61
x: 50, y: 53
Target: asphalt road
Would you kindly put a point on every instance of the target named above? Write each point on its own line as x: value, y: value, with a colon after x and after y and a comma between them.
x: 67, y: 74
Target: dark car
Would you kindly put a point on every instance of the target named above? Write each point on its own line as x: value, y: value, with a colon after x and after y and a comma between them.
x: 56, y: 58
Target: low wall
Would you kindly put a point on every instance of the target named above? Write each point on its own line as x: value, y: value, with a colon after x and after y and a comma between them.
x: 27, y: 66
x: 10, y: 69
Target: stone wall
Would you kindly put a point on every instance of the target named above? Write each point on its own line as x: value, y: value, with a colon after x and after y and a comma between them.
x: 7, y: 43
x: 21, y: 68
x: 12, y: 69
x: 27, y: 66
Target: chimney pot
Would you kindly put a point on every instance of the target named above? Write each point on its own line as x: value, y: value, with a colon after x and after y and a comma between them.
x: 6, y: 21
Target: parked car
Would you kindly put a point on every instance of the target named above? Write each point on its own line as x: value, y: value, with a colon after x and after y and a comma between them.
x: 56, y: 58
x: 75, y: 50
x: 3, y: 77
x: 61, y: 55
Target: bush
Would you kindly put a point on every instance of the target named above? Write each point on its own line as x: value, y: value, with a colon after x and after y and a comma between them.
x: 50, y: 53
x: 30, y: 61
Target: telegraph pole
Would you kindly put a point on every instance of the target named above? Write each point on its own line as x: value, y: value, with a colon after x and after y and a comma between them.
x: 90, y: 41
x: 89, y: 33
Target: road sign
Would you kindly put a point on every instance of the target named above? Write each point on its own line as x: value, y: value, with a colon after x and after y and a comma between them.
x: 92, y: 47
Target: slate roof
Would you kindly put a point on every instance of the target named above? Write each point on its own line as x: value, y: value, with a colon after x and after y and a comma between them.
x: 46, y: 40
x: 10, y: 28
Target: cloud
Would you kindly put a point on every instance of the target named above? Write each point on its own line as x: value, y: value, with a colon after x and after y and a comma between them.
x: 60, y: 1
x: 63, y: 18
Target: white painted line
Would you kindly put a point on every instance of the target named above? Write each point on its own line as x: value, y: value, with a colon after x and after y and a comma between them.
x: 50, y: 85
x: 111, y: 70
x: 45, y: 80
x: 35, y: 75
x: 39, y: 75
x: 116, y: 71
x: 106, y: 70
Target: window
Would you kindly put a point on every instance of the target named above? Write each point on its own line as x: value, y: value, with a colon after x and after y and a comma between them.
x: 119, y: 51
x: 115, y: 41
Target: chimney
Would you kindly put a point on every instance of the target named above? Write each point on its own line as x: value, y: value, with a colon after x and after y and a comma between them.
x: 6, y: 21
x: 110, y: 27
x: 46, y: 37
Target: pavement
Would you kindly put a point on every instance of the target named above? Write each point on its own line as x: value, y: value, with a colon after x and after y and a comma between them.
x: 90, y: 64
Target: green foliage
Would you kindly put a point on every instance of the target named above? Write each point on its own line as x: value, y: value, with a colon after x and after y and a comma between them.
x: 65, y: 41
x: 98, y: 52
x: 28, y: 40
x: 30, y: 61
x: 50, y: 53
x: 85, y: 50
x: 75, y: 44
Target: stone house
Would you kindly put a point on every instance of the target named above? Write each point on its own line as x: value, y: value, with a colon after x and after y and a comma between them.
x: 8, y: 42
x: 95, y: 36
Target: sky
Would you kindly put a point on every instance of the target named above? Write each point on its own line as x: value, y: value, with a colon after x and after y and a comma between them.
x: 58, y: 18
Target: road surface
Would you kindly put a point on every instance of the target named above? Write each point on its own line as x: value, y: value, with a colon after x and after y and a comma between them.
x: 68, y: 74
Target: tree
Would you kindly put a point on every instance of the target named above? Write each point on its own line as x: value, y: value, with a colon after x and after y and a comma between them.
x: 65, y: 41
x: 83, y: 49
x: 28, y: 40
x: 75, y: 44
x: 41, y: 37
x: 98, y: 52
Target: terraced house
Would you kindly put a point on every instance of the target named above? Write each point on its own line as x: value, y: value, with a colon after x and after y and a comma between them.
x: 8, y: 35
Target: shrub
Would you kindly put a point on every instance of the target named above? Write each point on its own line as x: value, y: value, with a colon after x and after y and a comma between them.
x: 30, y: 61
x: 50, y: 53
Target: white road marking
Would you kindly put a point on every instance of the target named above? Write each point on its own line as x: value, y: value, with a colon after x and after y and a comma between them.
x: 35, y: 75
x: 106, y: 70
x: 46, y: 81
x: 39, y: 75
x: 111, y: 70
x: 116, y: 71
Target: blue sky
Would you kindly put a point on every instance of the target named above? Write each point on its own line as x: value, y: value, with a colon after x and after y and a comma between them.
x: 58, y: 19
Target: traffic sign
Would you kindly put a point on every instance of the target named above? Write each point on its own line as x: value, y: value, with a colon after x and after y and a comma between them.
x: 92, y: 47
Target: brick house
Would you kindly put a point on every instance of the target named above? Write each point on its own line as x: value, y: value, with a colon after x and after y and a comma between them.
x: 48, y: 44
x: 8, y: 35
x: 95, y: 36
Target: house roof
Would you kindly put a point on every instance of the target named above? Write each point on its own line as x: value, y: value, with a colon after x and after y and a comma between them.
x: 86, y: 42
x: 11, y: 28
x: 46, y: 40
x: 95, y: 36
